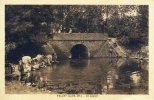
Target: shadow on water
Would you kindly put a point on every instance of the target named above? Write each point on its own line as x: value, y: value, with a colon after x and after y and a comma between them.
x: 133, y: 79
x: 79, y: 63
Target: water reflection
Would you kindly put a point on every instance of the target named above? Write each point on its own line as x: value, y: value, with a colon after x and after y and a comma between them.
x: 79, y: 63
x: 110, y: 80
x: 97, y: 76
x: 132, y: 78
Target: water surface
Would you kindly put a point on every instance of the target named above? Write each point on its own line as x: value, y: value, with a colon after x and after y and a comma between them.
x: 98, y: 76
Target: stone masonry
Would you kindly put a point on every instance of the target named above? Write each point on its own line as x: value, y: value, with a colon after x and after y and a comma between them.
x: 97, y: 44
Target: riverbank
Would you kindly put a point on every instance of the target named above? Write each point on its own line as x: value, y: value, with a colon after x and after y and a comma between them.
x: 59, y: 80
x: 15, y: 87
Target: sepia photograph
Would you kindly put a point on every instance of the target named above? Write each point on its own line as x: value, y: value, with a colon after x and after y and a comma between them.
x: 77, y: 49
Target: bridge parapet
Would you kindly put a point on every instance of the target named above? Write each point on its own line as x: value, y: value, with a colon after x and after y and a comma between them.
x: 80, y: 36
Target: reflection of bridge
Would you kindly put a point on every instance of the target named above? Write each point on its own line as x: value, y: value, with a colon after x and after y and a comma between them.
x: 83, y: 45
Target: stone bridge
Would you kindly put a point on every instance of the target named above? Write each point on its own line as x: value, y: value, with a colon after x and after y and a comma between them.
x: 85, y: 45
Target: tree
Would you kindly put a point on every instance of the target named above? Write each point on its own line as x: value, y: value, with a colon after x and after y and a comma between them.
x: 30, y: 22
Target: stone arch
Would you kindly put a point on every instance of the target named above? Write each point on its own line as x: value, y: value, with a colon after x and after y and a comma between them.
x: 79, y: 51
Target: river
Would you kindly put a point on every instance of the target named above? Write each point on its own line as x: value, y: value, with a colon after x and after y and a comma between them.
x: 97, y: 76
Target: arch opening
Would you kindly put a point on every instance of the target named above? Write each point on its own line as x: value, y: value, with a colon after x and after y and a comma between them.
x: 79, y: 51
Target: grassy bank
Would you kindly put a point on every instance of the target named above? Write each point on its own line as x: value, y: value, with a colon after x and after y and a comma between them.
x: 15, y: 87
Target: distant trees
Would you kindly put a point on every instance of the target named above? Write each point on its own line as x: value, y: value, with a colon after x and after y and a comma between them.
x: 31, y: 23
x: 128, y: 23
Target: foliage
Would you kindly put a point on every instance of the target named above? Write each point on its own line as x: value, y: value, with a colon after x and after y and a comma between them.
x: 31, y: 23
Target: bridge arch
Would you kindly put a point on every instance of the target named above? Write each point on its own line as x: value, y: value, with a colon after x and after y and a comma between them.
x: 79, y: 51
